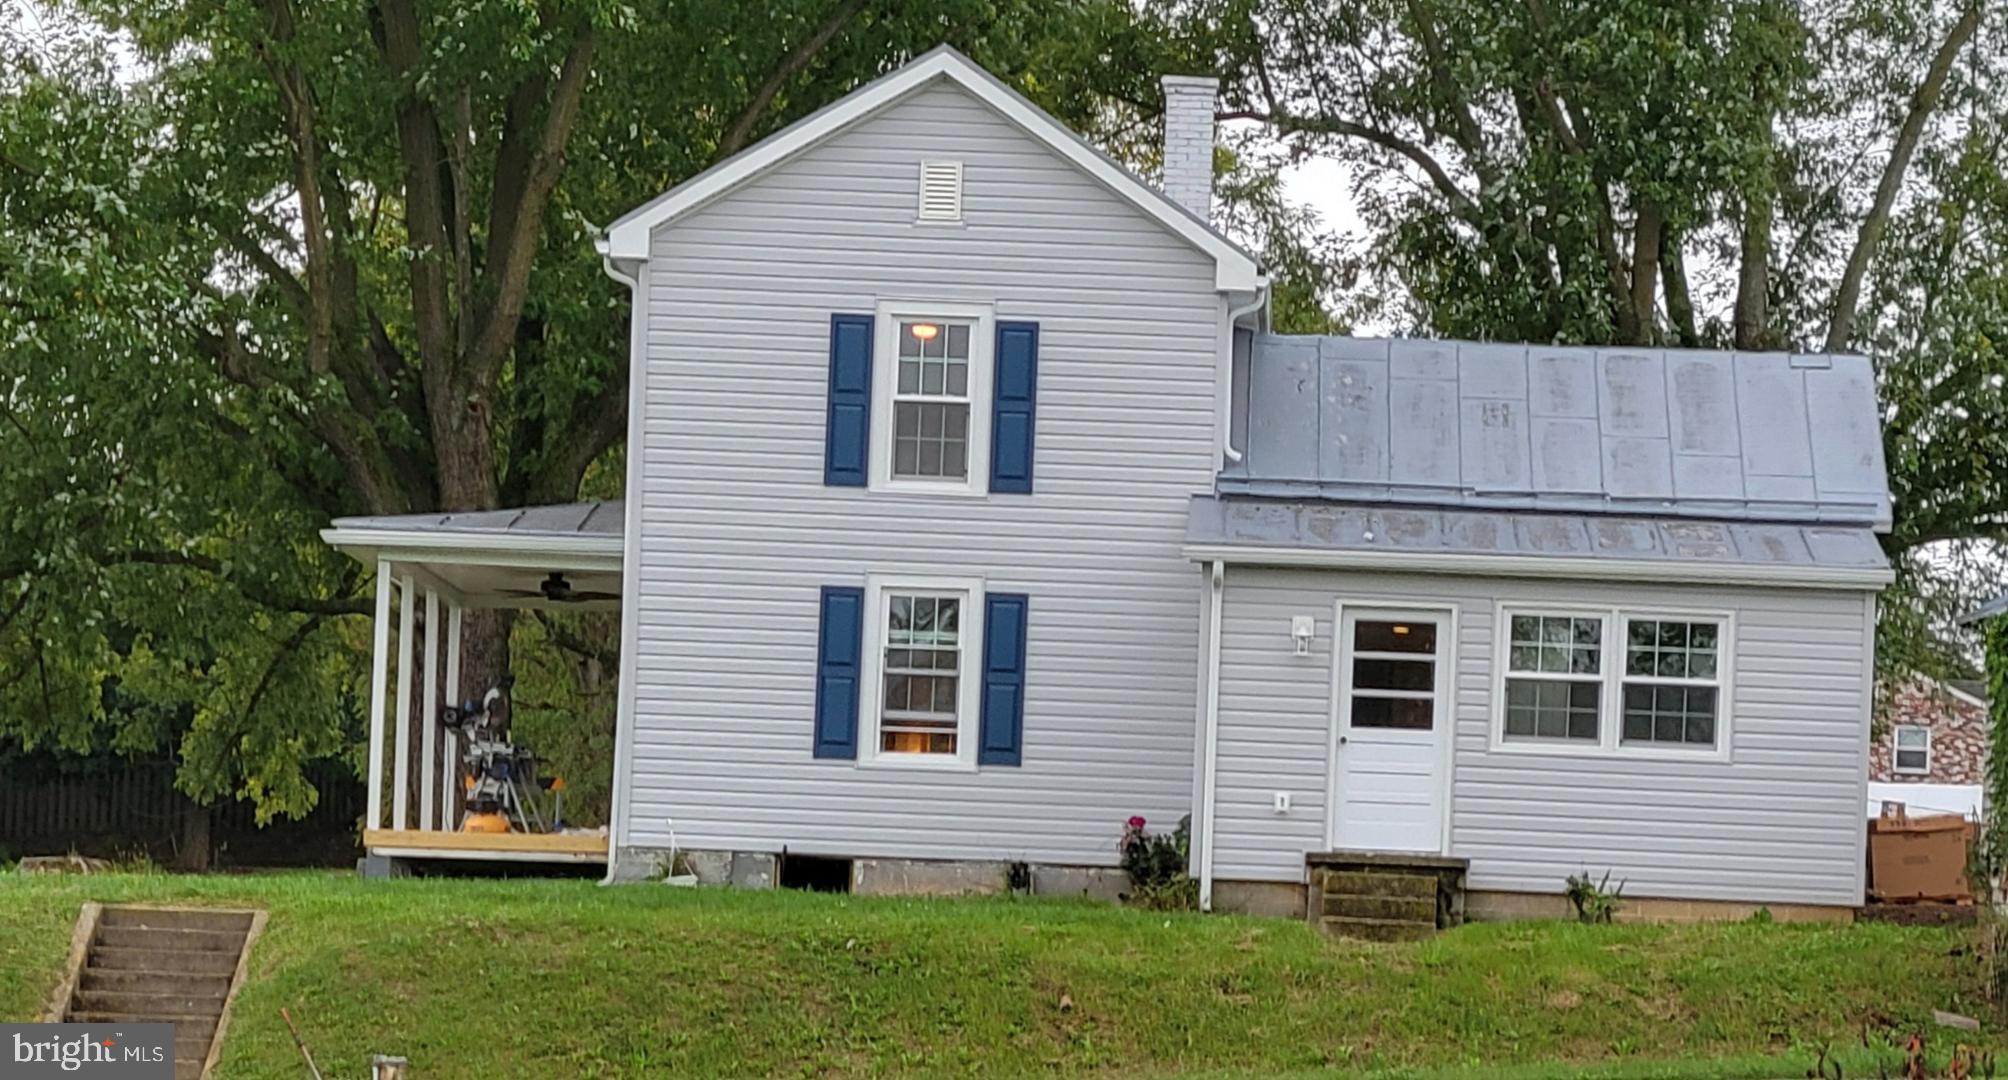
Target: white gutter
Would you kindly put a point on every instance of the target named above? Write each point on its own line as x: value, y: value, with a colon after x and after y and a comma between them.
x: 629, y: 655
x: 1209, y: 733
x: 1584, y: 567
x: 491, y: 547
x: 1233, y: 316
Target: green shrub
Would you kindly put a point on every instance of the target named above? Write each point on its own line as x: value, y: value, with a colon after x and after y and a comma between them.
x: 1595, y: 901
x: 1157, y: 864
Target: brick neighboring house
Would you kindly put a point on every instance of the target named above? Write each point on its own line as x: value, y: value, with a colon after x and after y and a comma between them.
x: 1933, y: 733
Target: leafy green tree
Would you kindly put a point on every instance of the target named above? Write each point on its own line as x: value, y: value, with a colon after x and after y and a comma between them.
x: 1714, y: 173
x: 265, y: 263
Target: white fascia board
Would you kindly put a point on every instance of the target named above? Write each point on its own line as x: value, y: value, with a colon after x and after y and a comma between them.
x: 628, y: 237
x: 530, y: 551
x: 1551, y: 566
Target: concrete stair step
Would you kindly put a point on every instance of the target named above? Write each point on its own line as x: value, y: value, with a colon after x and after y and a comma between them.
x: 141, y: 937
x: 1378, y: 883
x: 125, y: 1003
x: 190, y: 1030
x: 1377, y: 929
x: 162, y: 960
x: 1415, y: 909
x: 232, y: 922
x: 187, y: 1070
x: 153, y: 982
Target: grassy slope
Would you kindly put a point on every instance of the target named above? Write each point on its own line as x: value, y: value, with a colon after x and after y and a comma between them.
x: 529, y: 978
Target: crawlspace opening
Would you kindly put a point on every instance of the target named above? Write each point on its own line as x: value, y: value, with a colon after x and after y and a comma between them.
x: 815, y: 873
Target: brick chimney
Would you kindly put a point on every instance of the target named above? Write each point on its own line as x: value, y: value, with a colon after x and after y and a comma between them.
x: 1188, y: 141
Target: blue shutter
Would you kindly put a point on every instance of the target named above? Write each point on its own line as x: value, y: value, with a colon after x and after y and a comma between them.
x: 1003, y: 679
x: 847, y: 435
x: 1015, y: 392
x: 837, y: 654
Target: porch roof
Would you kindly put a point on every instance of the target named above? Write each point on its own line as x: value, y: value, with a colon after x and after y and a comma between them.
x: 495, y: 558
x: 1370, y: 536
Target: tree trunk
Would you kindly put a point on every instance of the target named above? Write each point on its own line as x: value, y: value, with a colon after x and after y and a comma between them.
x: 1646, y: 236
x: 1679, y: 304
x: 1753, y: 276
x: 1847, y: 299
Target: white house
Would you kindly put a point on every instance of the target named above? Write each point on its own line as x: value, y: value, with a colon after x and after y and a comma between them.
x: 972, y: 509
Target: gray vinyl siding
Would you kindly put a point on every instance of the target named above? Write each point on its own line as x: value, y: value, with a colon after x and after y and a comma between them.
x: 738, y: 533
x: 1779, y: 822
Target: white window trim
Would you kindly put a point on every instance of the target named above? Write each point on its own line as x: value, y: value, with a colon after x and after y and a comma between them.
x: 1896, y: 745
x: 885, y: 375
x: 969, y: 690
x: 1610, y: 699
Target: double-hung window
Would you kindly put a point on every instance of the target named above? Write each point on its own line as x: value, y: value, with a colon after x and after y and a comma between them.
x: 1913, y: 750
x: 922, y: 681
x: 1672, y: 688
x: 1554, y: 677
x: 1611, y: 680
x: 932, y: 399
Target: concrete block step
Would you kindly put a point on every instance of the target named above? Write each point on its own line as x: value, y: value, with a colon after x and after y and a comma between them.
x: 1374, y: 883
x: 125, y: 1003
x: 140, y: 937
x: 165, y: 960
x: 234, y: 922
x: 187, y: 1070
x: 1396, y: 908
x: 154, y: 982
x: 189, y: 1030
x: 1377, y: 929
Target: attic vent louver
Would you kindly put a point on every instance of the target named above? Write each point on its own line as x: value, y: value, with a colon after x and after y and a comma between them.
x: 941, y: 191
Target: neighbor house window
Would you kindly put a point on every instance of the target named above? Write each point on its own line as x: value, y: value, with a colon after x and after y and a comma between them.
x: 1913, y: 749
x: 922, y: 709
x: 931, y: 413
x: 1554, y: 677
x: 1672, y: 694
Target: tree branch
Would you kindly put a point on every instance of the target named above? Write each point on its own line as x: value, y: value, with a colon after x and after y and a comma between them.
x: 306, y: 605
x: 1847, y: 299
x: 790, y: 65
x: 1288, y: 124
x: 510, y: 254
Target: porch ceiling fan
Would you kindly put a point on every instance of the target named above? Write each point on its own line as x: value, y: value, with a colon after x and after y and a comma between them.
x: 558, y: 590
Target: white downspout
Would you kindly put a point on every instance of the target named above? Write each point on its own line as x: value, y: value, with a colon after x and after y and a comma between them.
x: 624, y: 697
x: 1234, y: 315
x: 1210, y: 731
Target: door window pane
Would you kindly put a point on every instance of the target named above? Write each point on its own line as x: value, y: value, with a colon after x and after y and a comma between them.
x: 1394, y: 674
x: 1394, y: 637
x: 1410, y: 714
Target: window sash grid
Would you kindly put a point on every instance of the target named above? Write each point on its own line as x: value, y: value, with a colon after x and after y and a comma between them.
x: 1612, y: 647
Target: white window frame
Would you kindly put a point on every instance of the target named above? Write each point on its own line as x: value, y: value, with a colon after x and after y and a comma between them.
x: 969, y: 688
x: 885, y: 380
x: 1602, y: 679
x: 1610, y: 700
x: 1896, y: 748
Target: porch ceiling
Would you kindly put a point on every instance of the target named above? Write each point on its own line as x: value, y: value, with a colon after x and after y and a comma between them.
x: 497, y: 558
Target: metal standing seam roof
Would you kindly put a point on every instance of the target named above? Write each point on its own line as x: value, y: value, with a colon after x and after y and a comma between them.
x: 1771, y: 437
x: 606, y: 518
x: 1326, y: 526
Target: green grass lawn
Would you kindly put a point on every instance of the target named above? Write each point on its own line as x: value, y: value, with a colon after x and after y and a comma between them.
x: 502, y: 979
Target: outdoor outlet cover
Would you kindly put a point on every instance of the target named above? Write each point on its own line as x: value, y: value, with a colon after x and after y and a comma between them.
x: 1282, y: 802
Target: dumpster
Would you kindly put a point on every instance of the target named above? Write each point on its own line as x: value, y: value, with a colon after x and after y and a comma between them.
x: 1921, y: 858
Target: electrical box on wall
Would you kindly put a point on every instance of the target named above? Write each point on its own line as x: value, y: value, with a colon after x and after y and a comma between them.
x: 1282, y: 804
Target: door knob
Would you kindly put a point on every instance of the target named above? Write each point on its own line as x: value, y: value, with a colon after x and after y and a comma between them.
x: 1342, y: 740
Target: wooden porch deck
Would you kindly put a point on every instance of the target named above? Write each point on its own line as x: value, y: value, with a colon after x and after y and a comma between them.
x: 523, y: 847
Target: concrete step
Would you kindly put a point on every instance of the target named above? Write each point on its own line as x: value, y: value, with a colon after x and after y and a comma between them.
x: 139, y: 937
x: 188, y: 1030
x: 155, y: 1004
x: 1375, y: 883
x: 162, y: 960
x: 234, y: 922
x: 1415, y: 909
x: 187, y: 1070
x: 153, y: 982
x: 1377, y: 929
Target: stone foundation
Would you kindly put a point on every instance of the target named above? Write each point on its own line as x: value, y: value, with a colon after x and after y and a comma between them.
x: 1273, y: 899
x: 880, y: 877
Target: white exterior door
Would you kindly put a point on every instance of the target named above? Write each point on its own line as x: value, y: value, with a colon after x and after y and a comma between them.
x: 1391, y: 732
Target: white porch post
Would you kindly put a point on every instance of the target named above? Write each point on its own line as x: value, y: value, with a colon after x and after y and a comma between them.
x: 451, y: 764
x: 400, y: 799
x: 379, y: 670
x: 428, y: 715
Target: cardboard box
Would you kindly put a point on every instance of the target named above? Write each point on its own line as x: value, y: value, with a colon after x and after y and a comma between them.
x: 1919, y: 858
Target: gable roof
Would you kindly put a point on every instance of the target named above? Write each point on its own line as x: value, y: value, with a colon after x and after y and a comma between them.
x: 628, y: 237
x: 1722, y: 436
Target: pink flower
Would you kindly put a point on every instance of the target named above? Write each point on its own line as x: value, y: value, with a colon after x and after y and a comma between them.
x: 1136, y: 823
